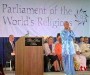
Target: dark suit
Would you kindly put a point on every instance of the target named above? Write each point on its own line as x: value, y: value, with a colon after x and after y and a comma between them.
x: 1, y: 70
x: 8, y: 51
x: 1, y: 67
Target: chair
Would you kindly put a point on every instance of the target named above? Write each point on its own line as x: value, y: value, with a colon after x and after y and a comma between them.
x: 47, y: 64
x: 50, y: 66
x: 8, y: 63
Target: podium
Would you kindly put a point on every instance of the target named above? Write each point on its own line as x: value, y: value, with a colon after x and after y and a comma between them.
x: 29, y: 56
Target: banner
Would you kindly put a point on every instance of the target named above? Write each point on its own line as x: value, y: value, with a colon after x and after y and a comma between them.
x: 43, y: 17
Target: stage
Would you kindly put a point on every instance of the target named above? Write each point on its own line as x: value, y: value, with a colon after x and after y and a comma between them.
x: 53, y: 73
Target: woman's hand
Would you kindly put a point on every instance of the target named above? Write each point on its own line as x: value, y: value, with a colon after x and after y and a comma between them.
x: 53, y: 54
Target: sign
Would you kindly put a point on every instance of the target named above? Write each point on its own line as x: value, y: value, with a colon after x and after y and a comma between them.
x: 44, y: 17
x: 33, y: 41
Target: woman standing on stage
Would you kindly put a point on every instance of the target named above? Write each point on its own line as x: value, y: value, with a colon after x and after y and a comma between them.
x: 68, y: 49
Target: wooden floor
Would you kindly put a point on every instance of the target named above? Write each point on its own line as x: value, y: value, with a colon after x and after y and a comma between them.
x: 52, y: 73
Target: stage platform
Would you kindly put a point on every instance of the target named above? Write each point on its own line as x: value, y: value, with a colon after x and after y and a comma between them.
x: 52, y: 73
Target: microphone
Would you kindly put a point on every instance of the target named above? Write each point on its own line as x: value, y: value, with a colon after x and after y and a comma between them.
x: 27, y: 34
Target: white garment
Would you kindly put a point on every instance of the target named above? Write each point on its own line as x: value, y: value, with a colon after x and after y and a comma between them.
x: 77, y: 48
x: 81, y: 59
x: 85, y: 49
x: 12, y: 44
x: 80, y: 43
x: 47, y: 49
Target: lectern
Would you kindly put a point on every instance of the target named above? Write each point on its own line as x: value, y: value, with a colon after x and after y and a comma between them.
x: 29, y: 56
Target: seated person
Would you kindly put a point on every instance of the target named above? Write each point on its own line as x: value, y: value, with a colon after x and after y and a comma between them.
x: 79, y: 59
x: 49, y: 49
x: 81, y: 41
x: 58, y: 49
x: 9, y: 51
x: 85, y: 47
